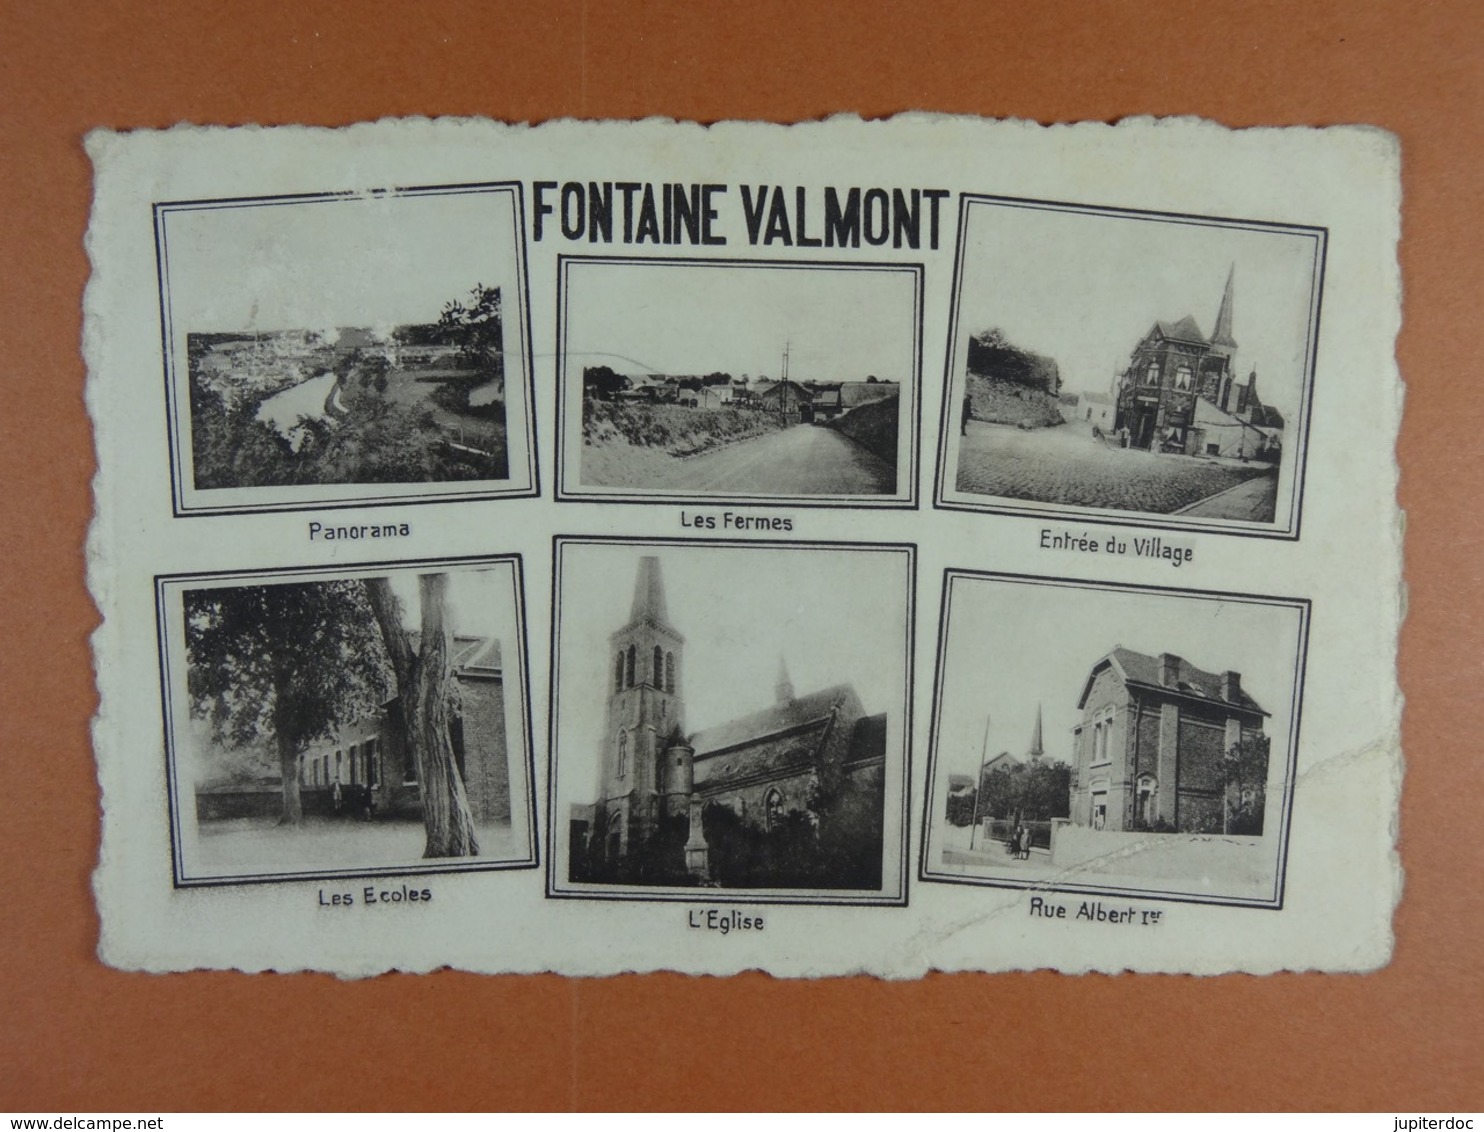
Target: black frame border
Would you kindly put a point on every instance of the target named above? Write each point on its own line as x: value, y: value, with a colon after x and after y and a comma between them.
x: 1003, y: 505
x: 912, y: 473
x: 771, y: 897
x: 1303, y: 606
x: 161, y: 210
x: 522, y: 652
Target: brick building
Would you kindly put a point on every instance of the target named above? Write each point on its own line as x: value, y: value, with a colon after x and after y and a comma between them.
x: 661, y: 786
x: 1180, y: 392
x: 1148, y: 752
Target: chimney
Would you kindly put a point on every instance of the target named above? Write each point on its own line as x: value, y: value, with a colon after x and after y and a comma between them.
x: 1169, y: 669
x: 1231, y: 686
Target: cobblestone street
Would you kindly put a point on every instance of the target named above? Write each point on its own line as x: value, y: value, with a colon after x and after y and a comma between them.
x: 1068, y: 465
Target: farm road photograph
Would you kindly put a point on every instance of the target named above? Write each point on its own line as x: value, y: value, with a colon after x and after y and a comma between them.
x: 740, y: 380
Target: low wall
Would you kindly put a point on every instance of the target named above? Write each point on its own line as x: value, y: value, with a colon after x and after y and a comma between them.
x: 873, y: 426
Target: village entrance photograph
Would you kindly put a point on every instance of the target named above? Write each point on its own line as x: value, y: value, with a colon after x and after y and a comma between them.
x: 746, y: 381
x: 346, y: 348
x: 1113, y: 739
x: 731, y: 720
x: 1108, y: 363
x: 325, y: 723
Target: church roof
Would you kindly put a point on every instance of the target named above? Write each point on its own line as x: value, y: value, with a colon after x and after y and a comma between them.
x: 783, y: 716
x: 868, y: 739
x: 1185, y: 330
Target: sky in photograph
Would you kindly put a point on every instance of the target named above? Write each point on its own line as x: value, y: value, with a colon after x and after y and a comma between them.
x: 1085, y: 288
x: 836, y: 617
x: 1012, y: 646
x: 375, y: 262
x: 475, y: 600
x: 839, y: 325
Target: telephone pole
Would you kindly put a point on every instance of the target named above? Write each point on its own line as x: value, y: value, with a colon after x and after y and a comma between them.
x: 979, y: 783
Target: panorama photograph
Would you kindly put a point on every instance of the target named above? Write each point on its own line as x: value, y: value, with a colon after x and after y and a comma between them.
x: 345, y: 349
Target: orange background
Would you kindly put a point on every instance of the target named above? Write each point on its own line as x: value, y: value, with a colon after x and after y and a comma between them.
x: 76, y: 1036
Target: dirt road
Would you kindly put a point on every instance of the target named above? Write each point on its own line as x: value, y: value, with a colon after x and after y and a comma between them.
x: 802, y: 460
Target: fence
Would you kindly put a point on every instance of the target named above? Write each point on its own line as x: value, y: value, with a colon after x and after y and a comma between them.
x: 999, y: 829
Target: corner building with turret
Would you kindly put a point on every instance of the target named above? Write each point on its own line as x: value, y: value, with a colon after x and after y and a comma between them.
x: 789, y: 795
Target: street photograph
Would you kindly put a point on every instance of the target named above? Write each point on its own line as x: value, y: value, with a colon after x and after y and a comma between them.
x: 1131, y: 364
x: 740, y: 380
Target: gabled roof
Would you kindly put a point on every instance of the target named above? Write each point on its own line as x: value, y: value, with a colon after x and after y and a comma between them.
x: 476, y: 653
x: 958, y: 783
x: 1140, y: 669
x: 783, y: 716
x: 1185, y: 330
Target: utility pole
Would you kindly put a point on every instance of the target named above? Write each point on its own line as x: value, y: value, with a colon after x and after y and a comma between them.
x: 783, y: 387
x: 979, y: 783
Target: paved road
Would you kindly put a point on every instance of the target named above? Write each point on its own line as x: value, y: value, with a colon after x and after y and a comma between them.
x: 1066, y: 465
x: 802, y: 460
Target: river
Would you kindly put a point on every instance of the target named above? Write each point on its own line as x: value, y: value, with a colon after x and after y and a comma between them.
x: 307, y: 399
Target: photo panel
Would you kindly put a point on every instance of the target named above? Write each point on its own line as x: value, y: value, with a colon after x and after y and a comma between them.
x: 345, y: 721
x: 346, y: 349
x: 738, y: 381
x: 728, y: 722
x: 1143, y: 368
x: 1111, y: 739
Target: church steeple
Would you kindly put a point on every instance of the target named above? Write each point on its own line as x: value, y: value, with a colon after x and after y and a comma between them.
x: 1036, y: 750
x: 784, y: 689
x: 1222, y: 335
x: 649, y: 594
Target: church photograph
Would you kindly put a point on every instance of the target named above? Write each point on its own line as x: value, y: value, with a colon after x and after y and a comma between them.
x: 1113, y: 739
x: 1118, y: 364
x: 730, y: 718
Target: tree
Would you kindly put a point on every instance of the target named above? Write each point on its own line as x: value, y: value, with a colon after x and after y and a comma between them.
x: 603, y: 382
x: 1244, y: 773
x: 294, y: 661
x: 477, y: 329
x: 424, y: 686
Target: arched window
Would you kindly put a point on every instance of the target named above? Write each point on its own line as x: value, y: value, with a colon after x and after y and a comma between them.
x: 772, y: 808
x: 659, y: 667
x: 623, y: 753
x: 618, y: 672
x: 669, y: 672
x: 337, y: 766
x: 628, y: 672
x: 1182, y: 378
x: 1151, y: 375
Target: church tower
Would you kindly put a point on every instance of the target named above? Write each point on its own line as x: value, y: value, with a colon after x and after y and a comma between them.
x: 645, y: 710
x: 1036, y: 751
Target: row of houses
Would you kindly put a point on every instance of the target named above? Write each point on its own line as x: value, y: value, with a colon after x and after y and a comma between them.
x: 805, y: 401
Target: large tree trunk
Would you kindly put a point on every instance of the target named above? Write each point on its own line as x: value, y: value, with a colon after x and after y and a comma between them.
x: 288, y: 767
x: 423, y: 686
